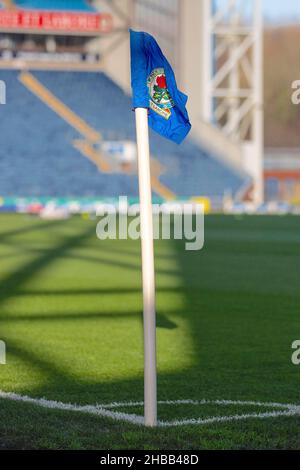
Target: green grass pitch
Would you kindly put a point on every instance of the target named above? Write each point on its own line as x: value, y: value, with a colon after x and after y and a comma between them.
x: 70, y: 314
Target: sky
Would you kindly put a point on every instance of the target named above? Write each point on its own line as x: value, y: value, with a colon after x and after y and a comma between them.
x: 282, y: 11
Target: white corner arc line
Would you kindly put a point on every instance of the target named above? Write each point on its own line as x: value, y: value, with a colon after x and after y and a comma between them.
x: 105, y: 410
x: 203, y: 402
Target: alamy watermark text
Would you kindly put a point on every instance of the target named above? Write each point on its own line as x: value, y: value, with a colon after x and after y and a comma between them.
x: 179, y: 221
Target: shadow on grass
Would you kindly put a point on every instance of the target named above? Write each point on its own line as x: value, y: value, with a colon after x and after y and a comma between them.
x: 230, y: 356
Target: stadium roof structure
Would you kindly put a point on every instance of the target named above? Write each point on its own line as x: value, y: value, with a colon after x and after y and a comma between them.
x: 53, y: 5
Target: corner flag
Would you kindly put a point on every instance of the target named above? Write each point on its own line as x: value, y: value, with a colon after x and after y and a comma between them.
x: 157, y: 102
x: 154, y: 87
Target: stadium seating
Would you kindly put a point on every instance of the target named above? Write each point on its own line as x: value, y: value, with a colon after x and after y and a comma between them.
x: 38, y: 158
x: 75, y: 5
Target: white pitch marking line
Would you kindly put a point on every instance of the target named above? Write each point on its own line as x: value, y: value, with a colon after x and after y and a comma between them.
x: 202, y: 402
x: 222, y: 419
x: 91, y: 409
x: 105, y: 409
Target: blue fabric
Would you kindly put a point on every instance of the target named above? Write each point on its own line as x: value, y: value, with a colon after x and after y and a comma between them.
x: 154, y: 87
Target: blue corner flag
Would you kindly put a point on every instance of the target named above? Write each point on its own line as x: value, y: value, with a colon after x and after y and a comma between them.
x: 154, y: 87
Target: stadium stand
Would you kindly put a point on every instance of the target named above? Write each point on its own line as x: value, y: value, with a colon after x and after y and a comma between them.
x: 65, y: 5
x: 53, y: 119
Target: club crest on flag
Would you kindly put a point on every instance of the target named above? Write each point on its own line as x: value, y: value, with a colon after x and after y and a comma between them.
x: 160, y: 98
x: 154, y: 88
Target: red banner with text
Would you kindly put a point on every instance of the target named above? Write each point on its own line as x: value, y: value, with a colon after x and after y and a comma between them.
x: 56, y: 21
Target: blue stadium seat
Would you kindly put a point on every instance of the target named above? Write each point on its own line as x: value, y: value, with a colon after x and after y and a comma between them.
x: 37, y: 157
x: 65, y: 5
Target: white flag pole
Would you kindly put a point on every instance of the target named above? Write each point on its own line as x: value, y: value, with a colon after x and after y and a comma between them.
x: 150, y: 398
